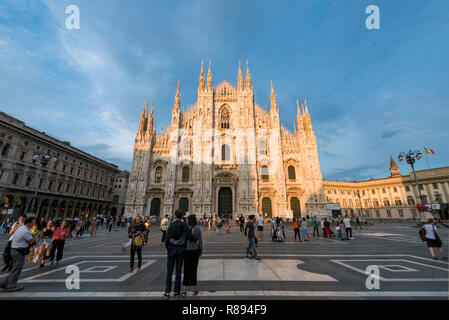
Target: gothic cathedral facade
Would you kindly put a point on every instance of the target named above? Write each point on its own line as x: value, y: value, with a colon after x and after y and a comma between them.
x: 225, y: 155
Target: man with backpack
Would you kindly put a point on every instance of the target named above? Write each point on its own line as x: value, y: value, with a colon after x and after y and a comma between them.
x: 429, y: 233
x: 175, y: 242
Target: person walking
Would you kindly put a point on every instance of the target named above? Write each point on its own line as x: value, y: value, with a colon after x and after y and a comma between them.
x: 327, y: 228
x: 338, y: 229
x: 260, y: 221
x: 250, y: 236
x: 36, y: 232
x: 20, y: 247
x: 296, y: 229
x: 218, y: 225
x: 357, y: 223
x: 242, y: 223
x: 282, y: 226
x: 136, y: 235
x: 348, y: 228
x: 304, y: 230
x: 147, y: 230
x: 165, y: 223
x: 323, y: 228
x: 192, y: 255
x: 79, y: 228
x: 433, y: 239
x: 59, y: 236
x: 316, y: 232
x: 7, y: 251
x: 44, y: 243
x: 175, y: 242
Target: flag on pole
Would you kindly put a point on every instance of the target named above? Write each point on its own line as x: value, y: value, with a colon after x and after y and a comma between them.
x: 428, y: 151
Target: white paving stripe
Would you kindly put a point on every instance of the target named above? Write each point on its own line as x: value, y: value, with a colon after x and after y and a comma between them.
x: 258, y: 293
x: 121, y: 279
x: 36, y: 267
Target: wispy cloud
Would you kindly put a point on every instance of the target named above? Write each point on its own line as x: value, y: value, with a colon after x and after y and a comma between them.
x: 371, y: 93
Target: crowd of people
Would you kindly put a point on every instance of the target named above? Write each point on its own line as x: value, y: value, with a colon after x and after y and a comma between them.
x: 37, y: 241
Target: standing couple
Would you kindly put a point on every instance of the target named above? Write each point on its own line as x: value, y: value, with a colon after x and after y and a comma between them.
x: 184, y: 246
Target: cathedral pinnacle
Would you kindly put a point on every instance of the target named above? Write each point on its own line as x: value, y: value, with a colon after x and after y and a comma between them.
x: 209, y: 77
x: 202, y: 85
x: 273, y: 97
x: 240, y: 78
x: 177, y: 98
x: 150, y: 118
x: 307, y: 110
x: 247, y: 77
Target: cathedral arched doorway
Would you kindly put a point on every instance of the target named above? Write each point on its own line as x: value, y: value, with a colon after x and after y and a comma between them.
x: 266, y: 207
x: 225, y: 201
x: 184, y: 204
x: 155, y: 208
x: 295, y: 207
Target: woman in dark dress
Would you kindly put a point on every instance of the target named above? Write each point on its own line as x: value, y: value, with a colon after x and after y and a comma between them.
x: 192, y: 254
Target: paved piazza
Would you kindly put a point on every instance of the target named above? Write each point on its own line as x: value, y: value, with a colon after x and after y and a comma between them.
x: 319, y: 269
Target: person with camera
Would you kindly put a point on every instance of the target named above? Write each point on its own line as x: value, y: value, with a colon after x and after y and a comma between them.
x: 136, y: 234
x: 20, y: 247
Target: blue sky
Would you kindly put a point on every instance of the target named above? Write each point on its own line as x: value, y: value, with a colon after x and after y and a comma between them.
x: 370, y: 92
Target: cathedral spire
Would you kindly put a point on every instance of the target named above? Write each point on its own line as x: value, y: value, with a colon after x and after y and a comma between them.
x: 177, y: 98
x: 202, y: 84
x: 175, y: 114
x: 209, y: 78
x: 247, y: 77
x: 240, y: 78
x: 142, y: 117
x: 307, y: 110
x: 273, y: 97
x: 150, y: 118
x: 152, y: 108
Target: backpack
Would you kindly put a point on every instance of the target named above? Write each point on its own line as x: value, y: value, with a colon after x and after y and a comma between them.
x: 422, y: 234
x: 138, y: 241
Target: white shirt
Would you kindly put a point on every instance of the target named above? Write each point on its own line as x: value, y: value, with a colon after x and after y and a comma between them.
x: 429, y: 231
x: 260, y: 221
x: 12, y: 227
x: 347, y: 222
x: 20, y: 236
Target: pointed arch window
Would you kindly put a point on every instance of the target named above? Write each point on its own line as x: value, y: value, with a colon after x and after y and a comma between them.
x: 225, y: 118
x: 264, y: 172
x: 185, y: 174
x: 158, y: 174
x: 291, y: 173
x: 262, y: 147
x: 225, y: 153
x: 186, y: 147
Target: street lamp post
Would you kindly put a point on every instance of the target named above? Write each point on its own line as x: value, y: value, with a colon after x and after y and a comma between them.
x: 411, y: 158
x: 45, y: 159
